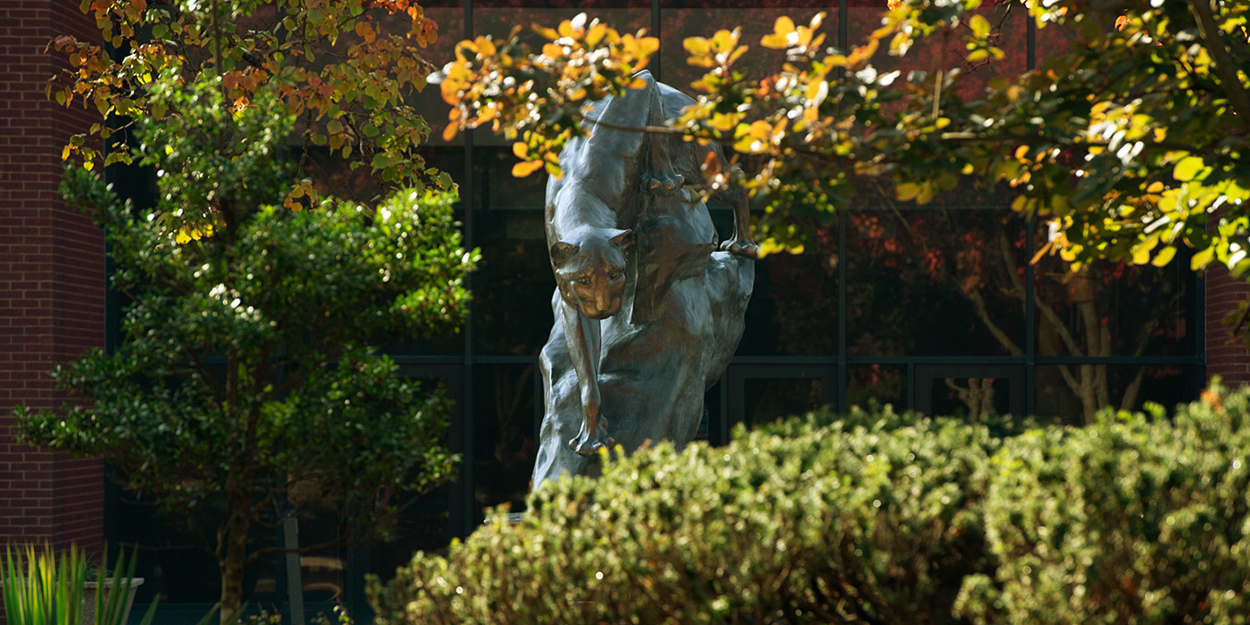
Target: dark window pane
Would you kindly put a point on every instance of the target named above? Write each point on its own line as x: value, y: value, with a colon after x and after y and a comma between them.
x: 884, y: 384
x: 507, y: 412
x: 1114, y: 309
x: 1074, y: 393
x: 424, y: 525
x: 498, y: 189
x: 172, y: 561
x: 513, y: 286
x: 929, y: 282
x: 794, y: 304
x: 970, y: 398
x: 571, y: 7
x: 769, y: 399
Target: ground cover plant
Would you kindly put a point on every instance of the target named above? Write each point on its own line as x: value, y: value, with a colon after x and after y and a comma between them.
x: 875, y: 517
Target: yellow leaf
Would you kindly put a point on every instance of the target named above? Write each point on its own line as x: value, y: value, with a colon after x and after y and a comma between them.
x: 968, y: 169
x: 1201, y: 258
x: 1164, y: 256
x: 450, y: 132
x: 907, y: 191
x: 724, y: 122
x: 485, y: 46
x: 724, y: 40
x: 775, y: 41
x: 1141, y: 251
x: 520, y: 149
x: 926, y: 193
x: 783, y: 25
x: 1155, y: 187
x: 1022, y: 152
x: 596, y: 34
x: 525, y: 168
x: 696, y: 46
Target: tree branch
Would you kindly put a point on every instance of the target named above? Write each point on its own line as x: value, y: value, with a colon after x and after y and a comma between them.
x: 1224, y: 65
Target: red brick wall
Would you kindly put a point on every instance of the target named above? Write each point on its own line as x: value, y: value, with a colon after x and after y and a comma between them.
x: 51, y: 280
x: 1227, y: 356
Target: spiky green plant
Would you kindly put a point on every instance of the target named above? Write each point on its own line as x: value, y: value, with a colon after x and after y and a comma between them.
x: 113, y: 596
x: 43, y: 589
x: 49, y: 591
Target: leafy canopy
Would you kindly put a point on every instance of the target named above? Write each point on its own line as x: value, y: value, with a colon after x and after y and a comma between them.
x: 1132, y: 142
x: 246, y: 386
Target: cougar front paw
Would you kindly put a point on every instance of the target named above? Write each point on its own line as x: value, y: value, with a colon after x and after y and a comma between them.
x: 586, y: 444
x: 660, y: 183
x: 741, y: 247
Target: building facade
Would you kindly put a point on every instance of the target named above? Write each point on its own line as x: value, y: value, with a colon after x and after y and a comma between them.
x: 935, y: 308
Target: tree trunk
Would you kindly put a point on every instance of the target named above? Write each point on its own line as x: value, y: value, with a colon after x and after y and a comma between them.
x: 234, y: 564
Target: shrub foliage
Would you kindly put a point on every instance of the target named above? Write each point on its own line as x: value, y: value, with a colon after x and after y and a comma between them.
x: 874, y: 517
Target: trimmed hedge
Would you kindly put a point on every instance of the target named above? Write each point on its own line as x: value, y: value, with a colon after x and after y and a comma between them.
x: 1136, y: 518
x: 874, y: 517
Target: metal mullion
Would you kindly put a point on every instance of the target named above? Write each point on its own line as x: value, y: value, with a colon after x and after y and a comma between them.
x: 465, y: 509
x: 935, y: 360
x: 655, y: 32
x: 1118, y: 360
x: 1030, y: 333
x: 842, y: 250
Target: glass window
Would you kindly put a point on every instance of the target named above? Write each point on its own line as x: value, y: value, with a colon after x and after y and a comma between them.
x: 794, y: 304
x: 1114, y: 309
x: 969, y: 398
x: 1075, y: 393
x: 507, y: 410
x: 885, y: 384
x: 930, y: 282
x: 769, y: 399
x: 513, y: 286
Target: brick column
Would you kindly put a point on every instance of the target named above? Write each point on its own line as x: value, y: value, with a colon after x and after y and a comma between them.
x: 1227, y: 356
x: 51, y: 280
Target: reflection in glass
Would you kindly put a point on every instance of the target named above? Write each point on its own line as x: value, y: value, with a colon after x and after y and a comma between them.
x: 935, y: 282
x: 769, y: 399
x: 173, y: 562
x: 506, y: 415
x: 882, y: 384
x: 1113, y: 309
x: 422, y: 525
x: 971, y: 399
x: 794, y: 305
x: 1074, y: 393
x: 513, y: 284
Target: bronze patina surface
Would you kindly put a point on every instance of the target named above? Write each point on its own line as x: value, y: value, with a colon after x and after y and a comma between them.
x: 647, y: 311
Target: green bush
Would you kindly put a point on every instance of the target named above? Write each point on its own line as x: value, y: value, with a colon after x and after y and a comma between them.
x: 1134, y: 519
x: 875, y: 517
x: 799, y: 522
